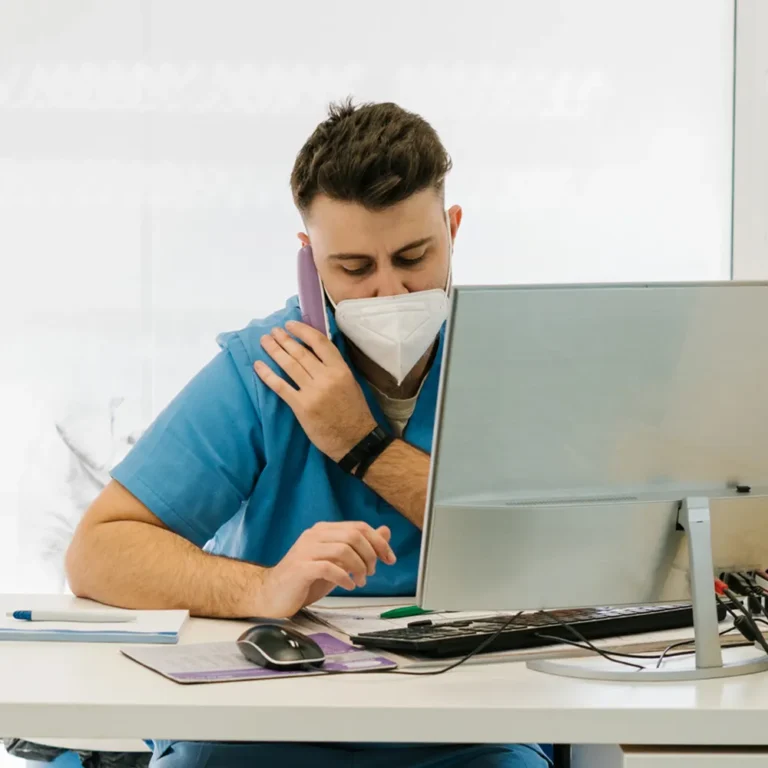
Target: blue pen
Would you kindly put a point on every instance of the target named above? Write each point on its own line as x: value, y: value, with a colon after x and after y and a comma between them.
x: 95, y: 617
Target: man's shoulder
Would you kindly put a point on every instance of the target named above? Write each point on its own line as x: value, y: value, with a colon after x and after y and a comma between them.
x: 248, y: 339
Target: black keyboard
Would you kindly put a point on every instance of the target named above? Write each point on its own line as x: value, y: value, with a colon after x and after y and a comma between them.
x: 530, y: 630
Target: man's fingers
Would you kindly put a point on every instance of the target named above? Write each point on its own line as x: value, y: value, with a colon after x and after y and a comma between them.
x: 303, y: 356
x: 318, y: 342
x: 385, y: 532
x: 350, y: 536
x: 380, y: 542
x: 361, y: 537
x: 278, y: 385
x: 364, y: 549
x: 327, y: 571
x: 291, y: 366
x: 343, y: 555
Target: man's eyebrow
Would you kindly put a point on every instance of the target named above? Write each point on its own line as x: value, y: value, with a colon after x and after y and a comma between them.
x: 398, y: 252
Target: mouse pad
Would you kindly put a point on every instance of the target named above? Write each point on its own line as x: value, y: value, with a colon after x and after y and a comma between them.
x: 223, y: 662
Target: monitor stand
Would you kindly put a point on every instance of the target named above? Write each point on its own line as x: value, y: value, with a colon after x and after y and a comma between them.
x: 708, y: 660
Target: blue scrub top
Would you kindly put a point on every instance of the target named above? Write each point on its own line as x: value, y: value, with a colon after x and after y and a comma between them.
x: 228, y: 466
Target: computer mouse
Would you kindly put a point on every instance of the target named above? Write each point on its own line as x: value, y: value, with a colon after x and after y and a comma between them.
x: 276, y: 647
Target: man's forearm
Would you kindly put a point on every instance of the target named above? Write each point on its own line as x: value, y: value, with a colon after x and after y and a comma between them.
x: 400, y: 476
x: 136, y: 565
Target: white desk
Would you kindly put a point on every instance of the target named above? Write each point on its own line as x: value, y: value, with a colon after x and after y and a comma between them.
x: 92, y: 691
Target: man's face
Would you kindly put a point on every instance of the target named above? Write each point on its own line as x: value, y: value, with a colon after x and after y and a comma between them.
x: 401, y: 249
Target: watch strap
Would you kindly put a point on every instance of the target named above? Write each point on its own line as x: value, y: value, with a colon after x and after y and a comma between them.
x: 366, y: 452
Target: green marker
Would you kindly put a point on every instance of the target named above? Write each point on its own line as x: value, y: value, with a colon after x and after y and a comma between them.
x: 403, y: 612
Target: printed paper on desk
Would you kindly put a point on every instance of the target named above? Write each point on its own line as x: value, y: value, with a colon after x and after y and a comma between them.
x: 351, y: 601
x: 357, y: 620
x: 223, y: 662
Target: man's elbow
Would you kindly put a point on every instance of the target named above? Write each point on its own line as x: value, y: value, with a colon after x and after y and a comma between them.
x: 76, y: 562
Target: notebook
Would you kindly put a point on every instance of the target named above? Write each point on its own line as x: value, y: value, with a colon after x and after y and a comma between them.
x: 149, y: 627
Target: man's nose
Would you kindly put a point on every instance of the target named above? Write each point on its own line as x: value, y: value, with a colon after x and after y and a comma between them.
x: 389, y: 283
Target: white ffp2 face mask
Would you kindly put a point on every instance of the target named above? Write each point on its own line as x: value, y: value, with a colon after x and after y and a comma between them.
x: 395, y: 331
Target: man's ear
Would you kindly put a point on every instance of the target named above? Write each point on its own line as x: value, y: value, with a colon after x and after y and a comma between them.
x: 303, y: 238
x: 455, y: 215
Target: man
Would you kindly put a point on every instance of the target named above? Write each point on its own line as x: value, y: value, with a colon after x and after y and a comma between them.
x: 270, y: 456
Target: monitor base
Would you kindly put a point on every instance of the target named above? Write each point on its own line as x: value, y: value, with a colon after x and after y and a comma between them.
x: 672, y: 669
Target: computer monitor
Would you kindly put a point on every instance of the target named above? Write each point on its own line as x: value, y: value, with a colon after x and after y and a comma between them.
x: 592, y: 442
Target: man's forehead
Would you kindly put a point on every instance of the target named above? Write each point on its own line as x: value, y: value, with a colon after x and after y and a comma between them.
x: 336, y: 225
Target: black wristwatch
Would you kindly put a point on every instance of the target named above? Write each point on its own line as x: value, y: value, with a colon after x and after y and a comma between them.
x: 366, y: 452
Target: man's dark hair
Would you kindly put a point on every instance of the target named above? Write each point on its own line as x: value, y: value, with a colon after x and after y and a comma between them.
x: 373, y: 154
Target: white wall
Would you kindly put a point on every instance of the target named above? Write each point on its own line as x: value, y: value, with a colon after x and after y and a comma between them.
x: 750, y: 207
x: 145, y: 150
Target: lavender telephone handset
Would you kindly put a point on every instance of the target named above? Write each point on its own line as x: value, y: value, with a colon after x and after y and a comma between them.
x: 311, y: 293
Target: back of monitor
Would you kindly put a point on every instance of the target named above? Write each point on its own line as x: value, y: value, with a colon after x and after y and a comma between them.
x: 572, y: 422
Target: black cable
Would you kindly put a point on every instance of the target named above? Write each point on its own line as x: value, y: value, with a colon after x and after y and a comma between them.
x: 739, y: 621
x: 575, y: 632
x: 756, y: 590
x: 759, y: 594
x: 665, y: 654
x: 748, y: 618
x: 735, y: 583
x: 651, y: 656
x: 479, y: 649
x: 584, y: 647
x: 748, y: 583
x: 754, y: 594
x: 727, y: 607
x: 577, y: 644
x: 736, y: 616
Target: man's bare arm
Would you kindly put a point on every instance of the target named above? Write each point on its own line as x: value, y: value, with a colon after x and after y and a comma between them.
x: 400, y: 476
x: 122, y: 554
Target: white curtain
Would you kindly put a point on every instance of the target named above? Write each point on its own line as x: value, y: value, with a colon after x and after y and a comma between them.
x: 145, y: 150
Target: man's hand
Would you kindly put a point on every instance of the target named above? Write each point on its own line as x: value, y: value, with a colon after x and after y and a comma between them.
x: 329, y: 403
x: 324, y: 557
